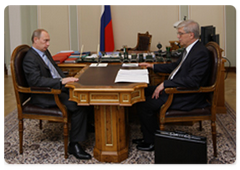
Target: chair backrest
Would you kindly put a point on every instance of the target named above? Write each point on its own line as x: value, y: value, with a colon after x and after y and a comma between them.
x: 144, y: 41
x: 215, y: 71
x: 18, y: 75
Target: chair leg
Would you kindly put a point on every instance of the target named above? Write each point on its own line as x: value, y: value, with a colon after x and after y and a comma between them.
x: 161, y: 126
x: 65, y: 134
x: 214, y: 138
x: 20, y: 128
x: 40, y: 124
x: 200, y: 125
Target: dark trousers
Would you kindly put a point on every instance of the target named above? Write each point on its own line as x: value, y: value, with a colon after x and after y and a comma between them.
x: 148, y: 111
x: 79, y: 116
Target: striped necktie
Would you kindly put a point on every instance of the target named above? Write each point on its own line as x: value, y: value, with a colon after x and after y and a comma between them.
x: 52, y: 69
x: 178, y: 67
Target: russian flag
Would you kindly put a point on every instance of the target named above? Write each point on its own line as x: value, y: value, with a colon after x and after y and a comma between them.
x: 106, y: 34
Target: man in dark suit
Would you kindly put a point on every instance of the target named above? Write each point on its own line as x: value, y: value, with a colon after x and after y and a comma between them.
x: 191, y: 71
x: 41, y: 71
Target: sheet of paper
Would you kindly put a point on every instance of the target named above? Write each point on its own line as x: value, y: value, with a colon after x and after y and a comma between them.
x: 132, y: 75
x: 98, y: 65
x: 93, y: 65
x: 132, y: 72
x: 102, y: 64
x: 130, y: 65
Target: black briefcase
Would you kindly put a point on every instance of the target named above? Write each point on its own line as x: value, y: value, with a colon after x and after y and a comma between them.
x: 179, y: 148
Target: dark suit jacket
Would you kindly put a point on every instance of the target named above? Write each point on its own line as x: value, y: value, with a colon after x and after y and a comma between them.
x: 38, y: 74
x: 192, y: 74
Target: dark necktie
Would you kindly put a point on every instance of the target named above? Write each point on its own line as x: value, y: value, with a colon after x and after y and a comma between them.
x: 52, y: 69
x: 178, y: 67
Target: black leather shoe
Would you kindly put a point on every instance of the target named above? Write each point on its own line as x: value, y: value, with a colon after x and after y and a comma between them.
x: 138, y: 141
x: 145, y: 147
x: 76, y: 150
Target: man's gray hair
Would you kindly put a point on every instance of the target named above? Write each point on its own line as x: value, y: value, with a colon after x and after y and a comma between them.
x: 37, y: 33
x: 190, y: 26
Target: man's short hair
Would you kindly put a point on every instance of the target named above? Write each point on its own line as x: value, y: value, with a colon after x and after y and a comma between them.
x: 37, y: 33
x: 190, y: 26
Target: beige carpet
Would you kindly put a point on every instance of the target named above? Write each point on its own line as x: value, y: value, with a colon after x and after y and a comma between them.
x: 46, y: 146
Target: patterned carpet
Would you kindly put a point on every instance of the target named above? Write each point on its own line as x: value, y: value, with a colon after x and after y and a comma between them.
x: 46, y: 146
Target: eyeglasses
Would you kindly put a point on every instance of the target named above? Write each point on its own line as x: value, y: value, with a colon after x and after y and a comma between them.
x: 180, y: 33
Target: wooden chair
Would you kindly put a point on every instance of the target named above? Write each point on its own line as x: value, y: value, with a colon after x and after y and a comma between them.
x: 167, y: 115
x: 23, y: 92
x: 143, y: 42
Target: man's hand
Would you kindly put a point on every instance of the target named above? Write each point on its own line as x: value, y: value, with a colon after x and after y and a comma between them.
x: 148, y: 65
x: 69, y: 79
x: 158, y: 91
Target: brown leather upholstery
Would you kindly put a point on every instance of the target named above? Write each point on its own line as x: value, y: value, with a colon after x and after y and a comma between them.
x: 143, y: 42
x: 209, y: 113
x: 196, y: 112
x: 23, y: 93
x: 20, y: 78
x: 214, y: 66
x: 29, y: 108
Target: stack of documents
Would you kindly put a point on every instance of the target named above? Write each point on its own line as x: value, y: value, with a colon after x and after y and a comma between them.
x: 132, y: 75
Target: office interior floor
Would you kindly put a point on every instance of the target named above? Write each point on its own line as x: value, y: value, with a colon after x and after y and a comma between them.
x: 10, y: 101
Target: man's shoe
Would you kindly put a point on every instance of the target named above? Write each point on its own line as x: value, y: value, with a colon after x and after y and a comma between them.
x: 138, y: 141
x: 77, y: 151
x: 145, y: 147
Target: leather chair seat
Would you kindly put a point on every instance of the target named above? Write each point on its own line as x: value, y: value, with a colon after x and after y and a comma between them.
x: 29, y: 108
x: 196, y: 112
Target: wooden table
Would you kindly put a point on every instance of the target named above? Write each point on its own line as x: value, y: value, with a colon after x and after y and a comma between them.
x: 96, y: 87
x: 155, y: 78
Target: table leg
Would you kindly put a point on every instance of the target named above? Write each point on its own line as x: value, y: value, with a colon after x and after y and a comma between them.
x: 111, y: 141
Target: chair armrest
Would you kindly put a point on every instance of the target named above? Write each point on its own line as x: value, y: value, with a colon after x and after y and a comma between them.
x: 182, y: 90
x: 43, y: 89
x: 163, y: 74
x: 46, y: 90
x: 186, y: 89
x: 38, y: 90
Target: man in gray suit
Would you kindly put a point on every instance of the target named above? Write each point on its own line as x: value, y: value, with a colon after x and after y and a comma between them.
x: 41, y: 71
x: 190, y: 71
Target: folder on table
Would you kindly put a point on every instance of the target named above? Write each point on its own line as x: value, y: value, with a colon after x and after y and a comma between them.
x: 61, y: 57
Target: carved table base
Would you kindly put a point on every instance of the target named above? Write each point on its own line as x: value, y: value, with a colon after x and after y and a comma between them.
x: 110, y: 134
